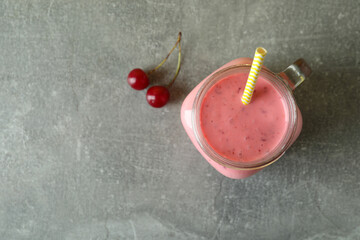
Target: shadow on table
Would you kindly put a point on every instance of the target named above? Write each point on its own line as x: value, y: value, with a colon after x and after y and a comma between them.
x: 329, y: 102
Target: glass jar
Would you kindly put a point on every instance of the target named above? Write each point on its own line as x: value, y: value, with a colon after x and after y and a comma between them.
x: 285, y: 82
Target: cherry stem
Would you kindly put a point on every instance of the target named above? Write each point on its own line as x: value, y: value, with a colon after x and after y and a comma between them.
x: 166, y: 58
x: 178, y: 66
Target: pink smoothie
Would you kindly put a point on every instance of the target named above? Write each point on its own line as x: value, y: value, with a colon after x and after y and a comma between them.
x: 238, y: 132
x: 189, y: 121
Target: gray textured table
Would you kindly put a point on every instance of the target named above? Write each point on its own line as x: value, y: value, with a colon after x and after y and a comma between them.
x: 82, y: 156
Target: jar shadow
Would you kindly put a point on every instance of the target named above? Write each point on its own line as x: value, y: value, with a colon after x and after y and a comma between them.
x: 329, y: 102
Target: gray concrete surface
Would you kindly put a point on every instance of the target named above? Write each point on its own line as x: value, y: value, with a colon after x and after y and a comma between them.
x: 82, y: 156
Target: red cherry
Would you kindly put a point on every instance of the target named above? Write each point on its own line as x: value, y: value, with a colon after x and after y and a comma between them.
x: 138, y: 79
x: 157, y: 96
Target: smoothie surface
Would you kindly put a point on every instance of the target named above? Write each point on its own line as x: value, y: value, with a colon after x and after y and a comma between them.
x: 238, y: 132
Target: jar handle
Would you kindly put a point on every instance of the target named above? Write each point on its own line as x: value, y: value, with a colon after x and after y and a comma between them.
x: 296, y: 73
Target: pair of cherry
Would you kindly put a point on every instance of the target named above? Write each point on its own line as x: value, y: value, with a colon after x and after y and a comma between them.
x: 156, y: 96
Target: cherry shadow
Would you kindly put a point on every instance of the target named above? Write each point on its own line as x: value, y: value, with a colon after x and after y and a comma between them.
x: 159, y: 77
x: 177, y: 94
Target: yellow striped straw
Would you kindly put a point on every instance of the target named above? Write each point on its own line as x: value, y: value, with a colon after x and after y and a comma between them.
x: 256, y: 65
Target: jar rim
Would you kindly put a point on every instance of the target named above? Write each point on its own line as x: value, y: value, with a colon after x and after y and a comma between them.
x: 273, y: 155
